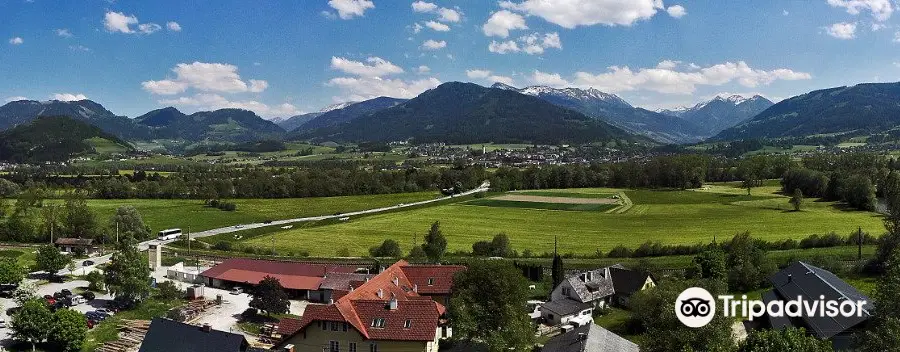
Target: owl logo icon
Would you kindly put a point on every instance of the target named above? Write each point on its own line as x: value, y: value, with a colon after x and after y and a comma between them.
x: 695, y: 307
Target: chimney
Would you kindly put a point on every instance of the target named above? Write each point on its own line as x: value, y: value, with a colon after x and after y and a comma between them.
x: 392, y: 304
x: 288, y: 348
x: 416, y: 288
x: 380, y: 293
x: 206, y: 328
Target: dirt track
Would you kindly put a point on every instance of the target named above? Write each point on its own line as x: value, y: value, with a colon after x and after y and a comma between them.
x: 558, y: 200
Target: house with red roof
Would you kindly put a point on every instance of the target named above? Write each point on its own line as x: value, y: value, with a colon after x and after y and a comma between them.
x: 300, y: 280
x: 389, y: 312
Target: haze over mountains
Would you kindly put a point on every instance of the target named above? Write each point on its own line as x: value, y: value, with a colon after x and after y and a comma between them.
x: 468, y: 113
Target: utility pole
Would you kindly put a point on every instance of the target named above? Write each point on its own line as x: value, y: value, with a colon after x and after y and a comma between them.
x: 859, y: 243
x: 117, y: 232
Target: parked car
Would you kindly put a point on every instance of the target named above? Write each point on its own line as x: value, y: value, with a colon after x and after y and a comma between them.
x: 2, y: 324
x: 87, y: 263
x: 89, y: 296
x: 104, y: 311
x: 237, y: 291
x: 12, y: 311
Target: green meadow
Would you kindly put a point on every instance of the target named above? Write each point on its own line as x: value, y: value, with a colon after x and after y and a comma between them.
x: 716, y: 212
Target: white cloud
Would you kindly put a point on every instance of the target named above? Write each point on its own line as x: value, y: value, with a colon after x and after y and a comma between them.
x: 670, y: 80
x: 257, y: 86
x: 878, y: 26
x: 120, y: 22
x: 148, y: 28
x: 503, y: 47
x: 842, y: 30
x: 207, y: 101
x: 549, y: 79
x: 574, y: 13
x: 348, y: 9
x: 487, y: 76
x: 16, y: 41
x: 173, y: 26
x: 432, y: 44
x: 68, y: 97
x: 208, y: 77
x: 64, y: 32
x: 669, y: 64
x: 676, y: 11
x: 417, y: 27
x: 449, y: 15
x: 881, y: 9
x: 81, y: 48
x: 16, y: 98
x: 785, y: 12
x: 896, y: 37
x: 363, y: 88
x: 424, y: 7
x: 440, y: 27
x: 377, y: 67
x: 423, y: 70
x: 444, y: 14
x: 501, y: 22
x: 532, y: 44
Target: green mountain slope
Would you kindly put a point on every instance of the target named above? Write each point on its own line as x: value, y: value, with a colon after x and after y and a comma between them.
x: 56, y: 139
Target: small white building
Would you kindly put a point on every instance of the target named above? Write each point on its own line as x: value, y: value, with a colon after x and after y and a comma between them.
x: 179, y: 272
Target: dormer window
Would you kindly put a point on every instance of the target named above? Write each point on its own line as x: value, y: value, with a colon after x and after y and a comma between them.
x: 378, y: 323
x: 407, y: 324
x: 430, y: 281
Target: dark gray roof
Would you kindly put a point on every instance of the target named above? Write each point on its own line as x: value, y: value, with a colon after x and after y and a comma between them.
x: 565, y: 306
x: 810, y: 282
x: 625, y: 281
x: 167, y: 335
x: 589, y: 338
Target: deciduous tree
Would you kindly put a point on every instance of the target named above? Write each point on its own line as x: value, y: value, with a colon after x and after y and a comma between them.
x: 49, y: 259
x: 32, y: 322
x: 435, y: 243
x: 270, y: 297
x: 788, y: 339
x: 128, y: 275
x: 67, y: 331
x: 130, y: 223
x: 488, y: 305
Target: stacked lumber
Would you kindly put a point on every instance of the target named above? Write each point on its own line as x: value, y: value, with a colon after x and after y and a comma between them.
x: 131, y: 335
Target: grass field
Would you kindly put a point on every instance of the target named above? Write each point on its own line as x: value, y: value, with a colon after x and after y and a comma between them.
x: 541, y: 205
x: 670, y: 217
x: 176, y: 213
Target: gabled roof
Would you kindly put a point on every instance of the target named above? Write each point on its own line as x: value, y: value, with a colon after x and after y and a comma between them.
x: 343, y: 281
x: 566, y: 306
x: 288, y: 326
x: 167, y: 335
x: 292, y: 275
x: 589, y: 338
x: 810, y: 282
x: 597, y: 287
x: 625, y: 281
x: 439, y: 276
x: 371, y: 300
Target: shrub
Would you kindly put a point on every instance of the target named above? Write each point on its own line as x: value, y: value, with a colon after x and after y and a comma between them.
x: 223, y: 246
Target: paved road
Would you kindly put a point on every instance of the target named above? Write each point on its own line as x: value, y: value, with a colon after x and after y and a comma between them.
x: 483, y: 188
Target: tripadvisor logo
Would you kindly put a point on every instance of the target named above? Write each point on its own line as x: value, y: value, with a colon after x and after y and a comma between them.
x: 695, y: 307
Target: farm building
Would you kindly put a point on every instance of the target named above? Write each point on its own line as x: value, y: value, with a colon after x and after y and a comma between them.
x: 589, y: 338
x: 566, y: 311
x: 386, y: 313
x: 811, y: 282
x: 180, y: 272
x: 435, y: 281
x: 75, y: 245
x: 167, y: 335
x: 300, y: 280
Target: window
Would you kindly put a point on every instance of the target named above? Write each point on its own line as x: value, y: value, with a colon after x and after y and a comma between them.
x: 345, y: 327
x: 378, y: 323
x: 324, y: 325
x: 407, y: 324
x: 430, y: 281
x: 565, y: 291
x: 373, y: 347
x: 352, y: 347
x: 334, y: 346
x: 334, y: 326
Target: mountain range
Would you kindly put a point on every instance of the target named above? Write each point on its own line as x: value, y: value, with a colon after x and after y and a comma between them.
x: 56, y: 138
x: 867, y: 108
x: 616, y: 111
x: 715, y: 115
x: 232, y: 125
x: 457, y: 112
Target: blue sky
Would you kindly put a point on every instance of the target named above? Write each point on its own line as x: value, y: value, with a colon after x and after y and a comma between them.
x: 280, y: 58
